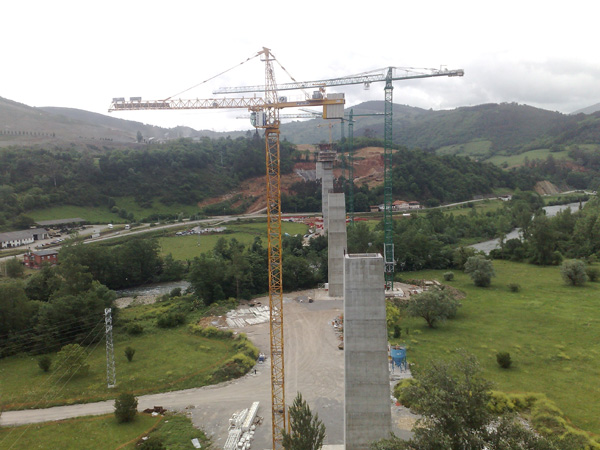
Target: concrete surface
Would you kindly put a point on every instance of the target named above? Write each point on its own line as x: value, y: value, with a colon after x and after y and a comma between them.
x: 337, y: 243
x: 367, y: 378
x: 314, y: 366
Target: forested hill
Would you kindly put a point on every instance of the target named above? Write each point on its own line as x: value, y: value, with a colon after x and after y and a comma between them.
x: 480, y: 131
x: 26, y: 125
x: 477, y: 131
x: 187, y: 172
x: 180, y: 172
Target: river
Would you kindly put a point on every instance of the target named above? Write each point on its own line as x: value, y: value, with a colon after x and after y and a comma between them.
x: 154, y: 289
x: 551, y: 211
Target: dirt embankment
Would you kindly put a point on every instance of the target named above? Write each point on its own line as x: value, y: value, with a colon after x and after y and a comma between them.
x: 368, y: 169
x: 546, y: 188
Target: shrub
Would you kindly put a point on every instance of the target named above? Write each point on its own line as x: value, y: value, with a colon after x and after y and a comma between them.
x: 170, y: 320
x: 44, y: 363
x: 573, y: 272
x: 503, y: 359
x: 514, y: 287
x: 152, y: 443
x: 593, y: 273
x: 235, y: 367
x: 433, y: 306
x: 129, y: 352
x: 135, y: 329
x: 72, y: 359
x: 399, y: 391
x: 449, y: 276
x: 481, y: 270
x: 500, y: 403
x: 175, y: 292
x: 125, y: 407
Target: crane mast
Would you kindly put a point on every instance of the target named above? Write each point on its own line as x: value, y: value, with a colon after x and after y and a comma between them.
x: 274, y: 253
x: 388, y: 76
x: 264, y: 114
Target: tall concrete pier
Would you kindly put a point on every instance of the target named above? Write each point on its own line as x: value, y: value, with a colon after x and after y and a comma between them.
x: 367, y: 387
x: 326, y: 159
x: 337, y: 243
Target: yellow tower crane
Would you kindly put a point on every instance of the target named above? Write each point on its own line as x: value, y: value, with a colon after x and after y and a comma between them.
x: 265, y: 115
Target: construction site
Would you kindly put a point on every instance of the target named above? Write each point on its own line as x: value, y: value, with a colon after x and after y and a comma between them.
x: 349, y: 388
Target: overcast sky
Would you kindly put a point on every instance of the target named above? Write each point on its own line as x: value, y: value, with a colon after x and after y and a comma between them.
x: 81, y: 54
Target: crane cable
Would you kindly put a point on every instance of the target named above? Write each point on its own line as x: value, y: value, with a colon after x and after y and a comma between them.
x: 306, y: 94
x: 213, y: 77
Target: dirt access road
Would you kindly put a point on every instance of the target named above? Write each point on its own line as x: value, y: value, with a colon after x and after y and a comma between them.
x: 314, y: 366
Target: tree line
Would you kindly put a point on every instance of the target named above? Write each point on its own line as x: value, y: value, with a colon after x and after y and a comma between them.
x: 60, y: 304
x: 181, y: 171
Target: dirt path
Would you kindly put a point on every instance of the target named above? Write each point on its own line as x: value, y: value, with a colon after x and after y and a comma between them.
x: 314, y: 366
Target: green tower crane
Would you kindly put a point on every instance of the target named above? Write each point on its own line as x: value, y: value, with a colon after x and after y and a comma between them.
x: 387, y: 75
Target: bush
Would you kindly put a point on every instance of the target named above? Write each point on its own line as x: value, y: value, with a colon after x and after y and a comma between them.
x: 449, y: 276
x: 135, y: 329
x: 211, y: 332
x: 573, y: 272
x: 72, y: 359
x: 152, y: 443
x: 170, y: 320
x: 175, y: 292
x: 399, y: 391
x: 593, y: 273
x: 125, y: 407
x: 500, y: 403
x: 129, y: 352
x: 503, y: 359
x: 514, y: 287
x: 481, y: 270
x: 235, y: 367
x: 44, y: 363
x: 433, y: 306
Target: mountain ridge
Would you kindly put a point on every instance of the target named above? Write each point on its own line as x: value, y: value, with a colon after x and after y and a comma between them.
x: 505, y: 128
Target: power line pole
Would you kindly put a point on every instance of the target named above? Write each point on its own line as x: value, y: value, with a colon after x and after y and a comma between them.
x: 111, y: 373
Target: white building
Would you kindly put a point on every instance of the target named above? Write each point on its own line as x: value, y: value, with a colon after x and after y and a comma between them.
x: 24, y: 237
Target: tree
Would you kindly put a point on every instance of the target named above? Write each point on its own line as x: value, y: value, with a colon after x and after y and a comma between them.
x: 14, y: 268
x: 72, y: 359
x: 573, y: 272
x: 44, y: 363
x: 129, y: 352
x: 433, y: 306
x: 139, y: 136
x: 307, y: 432
x: 125, y: 407
x: 452, y: 397
x: 481, y: 270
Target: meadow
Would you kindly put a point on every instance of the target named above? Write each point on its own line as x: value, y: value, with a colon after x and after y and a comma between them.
x: 177, y: 360
x: 103, y: 433
x: 99, y: 433
x: 188, y: 247
x: 551, y: 331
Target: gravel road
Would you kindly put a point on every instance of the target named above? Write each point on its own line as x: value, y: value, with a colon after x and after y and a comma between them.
x: 314, y: 366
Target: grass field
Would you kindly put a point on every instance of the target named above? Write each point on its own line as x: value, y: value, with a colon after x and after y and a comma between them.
x: 175, y: 360
x: 93, y: 214
x: 98, y: 433
x: 474, y: 149
x: 551, y: 331
x: 481, y: 207
x: 188, y: 247
x: 103, y: 433
x: 518, y: 160
x: 101, y: 214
